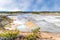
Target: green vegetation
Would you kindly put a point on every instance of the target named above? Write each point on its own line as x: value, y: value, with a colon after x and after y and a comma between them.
x: 19, y: 12
x: 9, y: 34
x: 34, y: 35
x: 36, y: 30
x: 31, y: 37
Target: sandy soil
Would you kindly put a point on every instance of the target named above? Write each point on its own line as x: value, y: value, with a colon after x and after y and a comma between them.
x: 46, y: 35
x: 50, y: 36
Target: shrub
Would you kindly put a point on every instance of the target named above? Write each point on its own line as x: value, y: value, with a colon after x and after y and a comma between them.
x: 36, y: 30
x: 34, y: 35
x: 31, y: 37
x: 9, y: 34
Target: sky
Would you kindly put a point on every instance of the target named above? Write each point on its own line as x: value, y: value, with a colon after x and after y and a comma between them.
x: 29, y: 5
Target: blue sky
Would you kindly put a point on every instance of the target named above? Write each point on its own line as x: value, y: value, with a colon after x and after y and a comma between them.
x: 29, y: 5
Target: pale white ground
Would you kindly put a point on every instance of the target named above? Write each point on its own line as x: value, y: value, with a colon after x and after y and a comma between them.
x: 46, y: 23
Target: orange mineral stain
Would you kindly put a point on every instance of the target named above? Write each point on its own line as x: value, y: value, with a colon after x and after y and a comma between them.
x: 30, y: 24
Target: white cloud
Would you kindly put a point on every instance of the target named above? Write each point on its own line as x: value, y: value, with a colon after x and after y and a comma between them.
x: 2, y: 2
x: 45, y: 6
x: 56, y: 6
x: 39, y: 6
x: 8, y: 5
x: 25, y: 4
x: 39, y: 1
x: 11, y: 5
